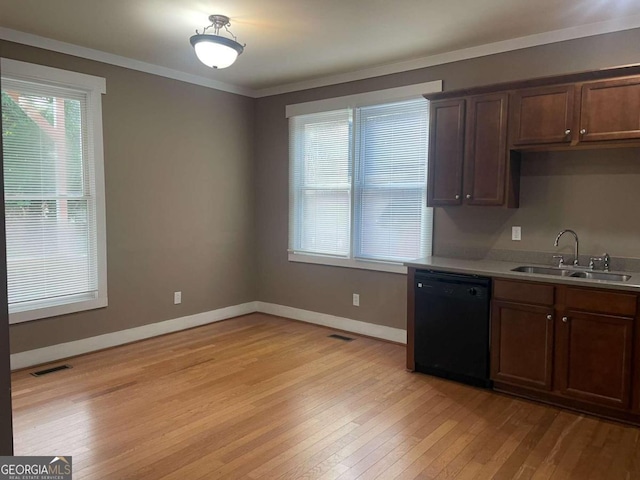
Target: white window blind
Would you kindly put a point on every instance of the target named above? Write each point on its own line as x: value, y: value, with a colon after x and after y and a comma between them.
x: 51, y: 203
x: 373, y: 208
x: 320, y: 193
x: 390, y: 182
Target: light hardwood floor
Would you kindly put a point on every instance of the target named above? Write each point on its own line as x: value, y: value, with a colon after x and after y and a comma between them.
x: 264, y: 397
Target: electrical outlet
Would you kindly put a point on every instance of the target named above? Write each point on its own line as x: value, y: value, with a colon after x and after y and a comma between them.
x: 177, y: 298
x: 516, y: 233
x: 356, y: 300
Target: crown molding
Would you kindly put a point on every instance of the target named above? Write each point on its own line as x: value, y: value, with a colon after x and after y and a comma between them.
x: 571, y: 33
x: 117, y: 60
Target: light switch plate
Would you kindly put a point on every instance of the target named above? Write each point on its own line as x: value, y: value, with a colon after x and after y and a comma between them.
x: 516, y: 233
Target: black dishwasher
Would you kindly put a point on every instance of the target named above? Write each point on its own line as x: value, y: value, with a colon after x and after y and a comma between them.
x: 452, y: 326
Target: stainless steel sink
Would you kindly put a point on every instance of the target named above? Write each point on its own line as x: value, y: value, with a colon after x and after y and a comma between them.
x: 612, y: 277
x: 544, y: 270
x: 564, y: 272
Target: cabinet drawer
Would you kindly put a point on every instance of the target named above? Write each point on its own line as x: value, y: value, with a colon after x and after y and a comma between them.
x: 599, y: 301
x: 523, y: 292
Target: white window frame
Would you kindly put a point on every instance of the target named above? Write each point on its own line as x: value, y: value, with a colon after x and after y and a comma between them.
x: 95, y: 87
x: 379, y: 97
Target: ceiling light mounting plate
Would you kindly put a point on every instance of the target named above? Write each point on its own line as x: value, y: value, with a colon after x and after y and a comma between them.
x: 219, y: 21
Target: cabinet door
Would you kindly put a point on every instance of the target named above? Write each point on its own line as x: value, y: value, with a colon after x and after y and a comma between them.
x: 609, y: 110
x: 543, y: 115
x: 594, y: 357
x: 446, y: 150
x: 485, y: 157
x: 522, y: 344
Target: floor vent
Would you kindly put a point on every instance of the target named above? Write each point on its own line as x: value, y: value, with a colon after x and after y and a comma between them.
x: 39, y: 373
x: 341, y: 337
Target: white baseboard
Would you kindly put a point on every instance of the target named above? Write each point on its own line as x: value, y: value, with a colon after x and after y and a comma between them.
x: 91, y: 344
x: 355, y: 326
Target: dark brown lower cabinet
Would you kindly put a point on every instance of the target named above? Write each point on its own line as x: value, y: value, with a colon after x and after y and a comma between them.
x: 574, y: 346
x: 594, y: 354
x: 522, y: 344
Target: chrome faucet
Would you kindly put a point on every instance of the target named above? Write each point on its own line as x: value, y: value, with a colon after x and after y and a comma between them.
x: 575, y: 235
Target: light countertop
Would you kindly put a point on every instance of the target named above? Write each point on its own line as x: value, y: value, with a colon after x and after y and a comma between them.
x: 500, y: 269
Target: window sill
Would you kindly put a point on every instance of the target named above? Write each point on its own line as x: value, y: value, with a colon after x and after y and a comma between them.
x: 348, y: 263
x: 56, y: 310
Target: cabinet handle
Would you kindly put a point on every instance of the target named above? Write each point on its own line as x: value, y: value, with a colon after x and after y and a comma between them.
x: 457, y: 197
x: 549, y: 317
x: 468, y: 196
x: 583, y: 131
x: 567, y: 132
x: 565, y: 319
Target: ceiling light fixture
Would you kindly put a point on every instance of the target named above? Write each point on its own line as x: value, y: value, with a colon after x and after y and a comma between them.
x: 214, y: 50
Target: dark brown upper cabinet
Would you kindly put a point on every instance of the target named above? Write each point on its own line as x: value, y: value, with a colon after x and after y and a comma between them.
x: 468, y: 151
x: 485, y: 157
x: 610, y: 110
x: 446, y: 152
x: 543, y: 115
x: 477, y: 135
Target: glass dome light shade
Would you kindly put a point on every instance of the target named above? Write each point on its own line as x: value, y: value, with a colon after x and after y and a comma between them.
x: 216, y: 51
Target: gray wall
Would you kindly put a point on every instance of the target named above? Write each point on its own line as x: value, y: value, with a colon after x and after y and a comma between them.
x: 180, y: 206
x: 592, y: 192
x: 197, y: 195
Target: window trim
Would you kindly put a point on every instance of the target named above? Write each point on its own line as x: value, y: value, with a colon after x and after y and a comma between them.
x: 378, y: 97
x: 95, y: 87
x: 377, y: 265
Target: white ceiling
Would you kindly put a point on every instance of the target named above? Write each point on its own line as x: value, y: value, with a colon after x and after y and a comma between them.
x: 291, y: 41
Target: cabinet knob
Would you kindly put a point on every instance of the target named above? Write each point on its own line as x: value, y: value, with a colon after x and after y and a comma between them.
x: 549, y: 317
x: 567, y: 132
x: 457, y: 197
x: 565, y: 319
x: 468, y: 196
x: 583, y: 131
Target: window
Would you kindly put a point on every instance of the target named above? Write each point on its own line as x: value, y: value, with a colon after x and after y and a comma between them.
x: 54, y: 191
x: 390, y: 181
x: 321, y: 183
x: 358, y: 183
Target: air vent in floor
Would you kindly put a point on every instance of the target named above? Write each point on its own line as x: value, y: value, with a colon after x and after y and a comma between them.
x: 39, y: 373
x: 341, y: 337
